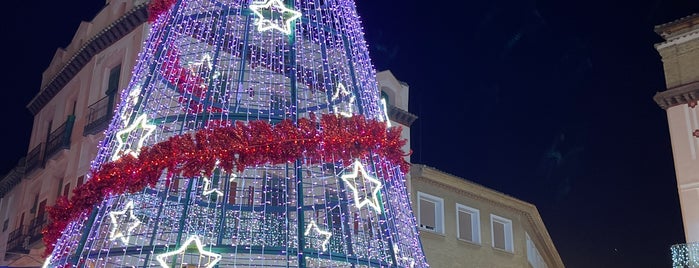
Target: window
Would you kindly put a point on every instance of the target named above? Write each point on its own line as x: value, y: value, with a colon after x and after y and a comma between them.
x: 113, y: 82
x: 81, y: 180
x: 66, y: 190
x: 468, y: 224
x: 430, y: 212
x: 501, y: 233
x: 533, y: 255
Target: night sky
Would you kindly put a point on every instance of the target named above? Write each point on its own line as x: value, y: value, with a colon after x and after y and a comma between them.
x: 547, y: 101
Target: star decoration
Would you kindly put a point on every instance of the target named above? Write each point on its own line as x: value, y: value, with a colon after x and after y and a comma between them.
x: 204, y: 65
x: 409, y: 260
x: 341, y: 91
x: 183, y: 248
x: 140, y: 123
x: 313, y: 227
x: 385, y: 112
x: 370, y: 196
x: 274, y: 15
x: 117, y: 226
x: 208, y: 190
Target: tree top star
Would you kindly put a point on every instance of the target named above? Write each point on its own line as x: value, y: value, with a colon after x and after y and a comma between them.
x: 273, y: 14
x: 183, y: 248
x: 371, y: 198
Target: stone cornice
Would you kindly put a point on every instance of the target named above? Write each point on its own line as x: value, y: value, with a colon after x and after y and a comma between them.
x: 12, y: 178
x: 678, y: 95
x: 401, y: 116
x: 478, y: 192
x: 105, y: 38
x: 671, y: 29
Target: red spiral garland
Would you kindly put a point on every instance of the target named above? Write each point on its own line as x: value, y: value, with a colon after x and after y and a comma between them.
x: 157, y: 7
x: 236, y: 147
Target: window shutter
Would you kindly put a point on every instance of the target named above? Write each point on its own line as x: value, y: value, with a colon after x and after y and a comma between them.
x: 465, y: 226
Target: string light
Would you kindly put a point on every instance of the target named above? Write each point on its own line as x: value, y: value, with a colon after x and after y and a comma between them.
x: 313, y: 227
x: 200, y: 248
x: 266, y: 21
x: 131, y: 222
x: 341, y: 91
x: 359, y: 178
x: 286, y: 110
x: 141, y: 122
x: 385, y: 112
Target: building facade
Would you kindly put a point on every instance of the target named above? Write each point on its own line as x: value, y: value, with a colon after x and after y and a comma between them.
x: 680, y: 57
x: 78, y: 94
x: 464, y: 224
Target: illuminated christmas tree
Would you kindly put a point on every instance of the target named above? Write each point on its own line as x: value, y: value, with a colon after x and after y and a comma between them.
x: 251, y: 134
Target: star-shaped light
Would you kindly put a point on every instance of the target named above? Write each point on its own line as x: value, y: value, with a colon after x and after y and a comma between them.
x: 183, y: 248
x: 341, y: 91
x: 140, y: 123
x: 117, y: 226
x: 385, y: 112
x: 204, y: 64
x: 313, y: 227
x: 371, y: 197
x: 208, y: 190
x: 409, y: 260
x: 273, y: 14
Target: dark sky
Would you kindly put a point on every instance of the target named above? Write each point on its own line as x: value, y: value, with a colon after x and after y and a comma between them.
x: 548, y: 101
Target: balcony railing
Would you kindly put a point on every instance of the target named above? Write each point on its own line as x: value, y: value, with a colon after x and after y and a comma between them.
x: 685, y: 255
x: 35, y: 228
x: 59, y: 139
x: 35, y: 158
x: 15, y: 240
x: 98, y: 117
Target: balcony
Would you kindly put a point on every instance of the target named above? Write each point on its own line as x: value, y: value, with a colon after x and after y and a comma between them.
x: 15, y: 241
x: 59, y: 139
x: 685, y: 255
x: 35, y: 158
x: 98, y: 116
x: 35, y: 227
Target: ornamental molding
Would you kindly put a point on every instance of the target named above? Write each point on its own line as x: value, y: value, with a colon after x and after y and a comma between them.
x: 131, y: 20
x: 12, y: 178
x: 678, y: 95
x: 401, y: 116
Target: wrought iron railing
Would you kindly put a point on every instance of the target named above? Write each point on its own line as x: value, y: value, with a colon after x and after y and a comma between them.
x: 35, y: 228
x: 35, y: 158
x: 59, y: 139
x: 685, y: 255
x: 98, y: 116
x: 15, y: 240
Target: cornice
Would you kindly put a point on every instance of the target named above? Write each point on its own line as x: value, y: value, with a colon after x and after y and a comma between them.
x: 12, y: 178
x: 677, y: 95
x: 105, y: 38
x: 401, y: 116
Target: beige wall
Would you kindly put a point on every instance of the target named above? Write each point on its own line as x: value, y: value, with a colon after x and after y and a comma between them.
x: 447, y: 250
x: 680, y: 57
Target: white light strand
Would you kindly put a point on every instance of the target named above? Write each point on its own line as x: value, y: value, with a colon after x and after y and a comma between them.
x: 200, y: 248
x: 372, y: 196
x: 140, y: 123
x: 313, y: 227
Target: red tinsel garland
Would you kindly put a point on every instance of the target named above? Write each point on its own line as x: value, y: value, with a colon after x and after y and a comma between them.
x: 235, y: 146
x: 157, y: 7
